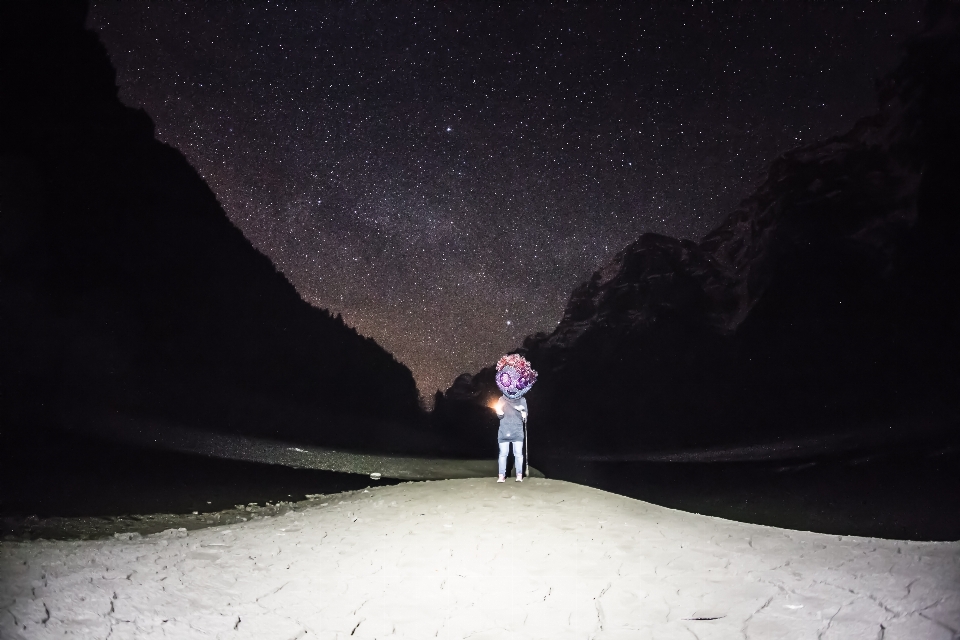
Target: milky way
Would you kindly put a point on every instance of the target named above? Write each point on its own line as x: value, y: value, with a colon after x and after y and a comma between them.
x: 444, y: 176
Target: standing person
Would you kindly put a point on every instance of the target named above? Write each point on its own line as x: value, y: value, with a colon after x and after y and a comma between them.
x: 515, y: 376
x: 512, y: 414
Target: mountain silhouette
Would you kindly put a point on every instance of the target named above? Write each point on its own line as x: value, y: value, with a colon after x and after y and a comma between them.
x: 829, y: 300
x: 125, y: 289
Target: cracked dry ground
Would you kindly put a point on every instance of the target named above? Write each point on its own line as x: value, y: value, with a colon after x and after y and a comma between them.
x: 476, y: 559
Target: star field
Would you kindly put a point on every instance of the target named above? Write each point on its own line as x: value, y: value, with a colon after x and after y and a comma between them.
x: 444, y: 176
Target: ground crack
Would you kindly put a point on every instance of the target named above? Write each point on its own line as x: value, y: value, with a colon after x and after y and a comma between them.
x: 823, y: 632
x: 953, y: 631
x: 270, y: 593
x: 743, y: 627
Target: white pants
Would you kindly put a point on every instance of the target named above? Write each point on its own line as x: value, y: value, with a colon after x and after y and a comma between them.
x: 517, y: 456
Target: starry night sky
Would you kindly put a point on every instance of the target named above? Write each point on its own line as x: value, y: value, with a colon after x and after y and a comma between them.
x: 444, y: 176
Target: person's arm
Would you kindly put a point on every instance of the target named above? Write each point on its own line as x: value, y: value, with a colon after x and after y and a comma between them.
x: 523, y: 409
x: 498, y: 407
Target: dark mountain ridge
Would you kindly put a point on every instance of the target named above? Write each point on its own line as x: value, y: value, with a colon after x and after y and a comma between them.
x: 124, y: 288
x: 827, y: 302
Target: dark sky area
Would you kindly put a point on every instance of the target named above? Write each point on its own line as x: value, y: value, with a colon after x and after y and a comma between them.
x: 444, y: 175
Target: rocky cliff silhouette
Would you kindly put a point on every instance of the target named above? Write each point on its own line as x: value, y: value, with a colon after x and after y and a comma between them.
x: 827, y: 301
x: 125, y: 289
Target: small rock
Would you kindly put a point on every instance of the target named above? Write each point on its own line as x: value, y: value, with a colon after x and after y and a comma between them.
x: 375, y: 476
x: 128, y: 535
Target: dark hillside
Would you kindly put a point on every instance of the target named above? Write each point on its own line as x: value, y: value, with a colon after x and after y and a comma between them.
x: 125, y: 288
x: 828, y: 301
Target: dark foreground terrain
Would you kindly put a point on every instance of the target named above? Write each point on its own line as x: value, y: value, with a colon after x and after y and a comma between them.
x: 80, y: 477
x: 907, y: 493
x: 92, y: 488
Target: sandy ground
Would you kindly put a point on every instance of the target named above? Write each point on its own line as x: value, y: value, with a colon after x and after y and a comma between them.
x: 475, y: 559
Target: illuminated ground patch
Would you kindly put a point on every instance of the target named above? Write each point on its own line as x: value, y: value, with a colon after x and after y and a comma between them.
x: 473, y: 558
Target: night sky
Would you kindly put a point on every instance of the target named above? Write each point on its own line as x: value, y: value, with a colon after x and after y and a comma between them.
x: 444, y: 176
